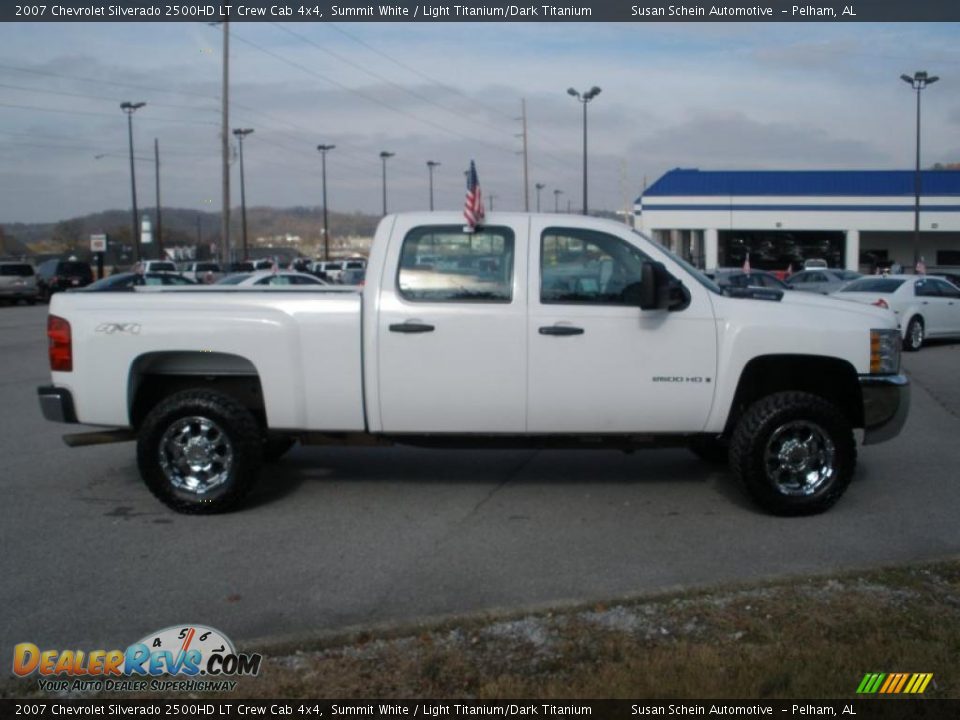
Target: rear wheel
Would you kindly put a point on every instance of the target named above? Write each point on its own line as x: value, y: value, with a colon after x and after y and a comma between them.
x: 795, y: 453
x: 199, y: 451
x: 915, y: 334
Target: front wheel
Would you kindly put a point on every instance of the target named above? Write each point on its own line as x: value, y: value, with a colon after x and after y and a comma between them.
x: 199, y: 451
x: 795, y: 453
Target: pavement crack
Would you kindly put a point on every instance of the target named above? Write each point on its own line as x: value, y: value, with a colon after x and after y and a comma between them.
x: 934, y: 395
x: 511, y: 476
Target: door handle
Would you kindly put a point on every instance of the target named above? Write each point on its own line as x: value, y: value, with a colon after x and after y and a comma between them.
x: 411, y: 327
x: 561, y: 330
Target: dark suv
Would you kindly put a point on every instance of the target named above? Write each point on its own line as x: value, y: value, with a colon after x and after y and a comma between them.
x: 56, y: 275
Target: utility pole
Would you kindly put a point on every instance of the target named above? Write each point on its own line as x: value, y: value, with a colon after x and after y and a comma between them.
x: 431, y: 164
x: 539, y: 187
x: 156, y: 166
x: 323, y: 175
x: 556, y: 200
x: 526, y: 181
x: 130, y: 108
x: 490, y: 198
x: 225, y: 148
x: 241, y: 133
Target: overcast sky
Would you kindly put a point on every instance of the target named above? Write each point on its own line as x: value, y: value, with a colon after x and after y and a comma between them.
x: 713, y: 96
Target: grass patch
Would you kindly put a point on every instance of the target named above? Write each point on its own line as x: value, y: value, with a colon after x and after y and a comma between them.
x: 812, y: 639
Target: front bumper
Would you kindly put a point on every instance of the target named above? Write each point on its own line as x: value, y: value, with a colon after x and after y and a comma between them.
x: 886, y: 403
x: 56, y: 404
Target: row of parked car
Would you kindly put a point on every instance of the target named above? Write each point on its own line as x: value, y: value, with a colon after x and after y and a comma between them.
x: 21, y: 281
x: 926, y: 306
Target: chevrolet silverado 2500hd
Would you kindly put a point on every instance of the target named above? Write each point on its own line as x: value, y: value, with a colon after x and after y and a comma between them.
x: 532, y: 330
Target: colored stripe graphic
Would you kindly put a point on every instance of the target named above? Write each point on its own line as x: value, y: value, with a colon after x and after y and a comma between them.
x: 894, y: 683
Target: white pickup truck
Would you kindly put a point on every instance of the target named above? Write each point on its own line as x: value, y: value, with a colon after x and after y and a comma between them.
x: 533, y: 330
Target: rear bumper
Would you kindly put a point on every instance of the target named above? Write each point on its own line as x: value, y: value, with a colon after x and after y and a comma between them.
x: 886, y: 403
x: 19, y: 293
x: 56, y: 404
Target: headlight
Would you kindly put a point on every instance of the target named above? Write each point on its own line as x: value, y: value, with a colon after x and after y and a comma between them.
x: 885, y: 352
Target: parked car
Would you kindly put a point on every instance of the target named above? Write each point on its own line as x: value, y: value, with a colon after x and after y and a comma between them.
x: 18, y: 281
x: 130, y: 280
x: 353, y: 276
x: 150, y: 266
x: 203, y: 272
x: 736, y: 277
x: 821, y: 280
x: 240, y: 267
x: 815, y: 263
x: 268, y: 277
x: 328, y: 270
x: 926, y: 306
x: 55, y: 275
x: 461, y: 354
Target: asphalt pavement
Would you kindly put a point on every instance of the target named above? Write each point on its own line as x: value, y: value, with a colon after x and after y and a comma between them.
x: 347, y: 537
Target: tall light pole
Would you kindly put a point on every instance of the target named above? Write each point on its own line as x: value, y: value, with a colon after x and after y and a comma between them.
x: 323, y: 174
x: 539, y: 187
x: 383, y: 158
x: 490, y: 198
x: 583, y: 100
x: 241, y: 133
x: 431, y: 164
x: 918, y: 82
x: 225, y: 148
x: 156, y: 168
x: 130, y: 108
x: 556, y: 200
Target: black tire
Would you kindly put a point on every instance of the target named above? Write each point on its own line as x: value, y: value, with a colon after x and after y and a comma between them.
x: 276, y: 446
x: 713, y: 450
x: 913, y: 339
x: 775, y: 426
x: 224, y: 437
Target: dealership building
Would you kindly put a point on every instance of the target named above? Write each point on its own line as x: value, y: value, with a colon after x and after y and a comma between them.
x: 855, y: 219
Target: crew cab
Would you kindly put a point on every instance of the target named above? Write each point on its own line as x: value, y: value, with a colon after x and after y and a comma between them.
x: 535, y: 330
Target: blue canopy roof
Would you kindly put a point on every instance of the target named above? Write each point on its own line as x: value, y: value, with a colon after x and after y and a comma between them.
x: 858, y: 183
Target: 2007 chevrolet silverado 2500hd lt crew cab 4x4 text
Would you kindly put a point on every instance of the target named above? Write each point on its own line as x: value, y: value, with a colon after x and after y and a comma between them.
x: 533, y: 330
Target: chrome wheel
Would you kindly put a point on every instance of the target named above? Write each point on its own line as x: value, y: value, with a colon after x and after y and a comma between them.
x: 800, y: 458
x: 915, y: 334
x: 196, y: 455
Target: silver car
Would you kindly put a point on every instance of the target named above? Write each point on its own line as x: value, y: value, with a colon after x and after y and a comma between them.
x: 18, y: 281
x: 821, y: 280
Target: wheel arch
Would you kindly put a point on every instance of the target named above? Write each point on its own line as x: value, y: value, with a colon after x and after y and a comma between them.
x: 831, y: 378
x: 156, y: 375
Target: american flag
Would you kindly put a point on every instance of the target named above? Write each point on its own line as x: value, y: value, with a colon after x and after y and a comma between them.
x: 473, y: 203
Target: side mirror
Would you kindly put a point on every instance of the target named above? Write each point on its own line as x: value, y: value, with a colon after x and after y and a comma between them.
x: 659, y: 290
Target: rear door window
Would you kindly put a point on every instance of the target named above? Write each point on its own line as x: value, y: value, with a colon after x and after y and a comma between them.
x: 446, y: 264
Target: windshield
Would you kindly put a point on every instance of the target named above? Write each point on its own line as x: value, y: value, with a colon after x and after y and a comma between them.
x: 873, y: 284
x: 697, y: 274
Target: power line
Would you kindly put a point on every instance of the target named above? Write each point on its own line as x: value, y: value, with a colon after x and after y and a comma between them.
x: 370, y: 98
x: 423, y: 98
x: 96, y: 97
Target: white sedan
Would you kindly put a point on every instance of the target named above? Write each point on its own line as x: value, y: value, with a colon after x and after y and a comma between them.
x: 926, y: 306
x: 269, y: 277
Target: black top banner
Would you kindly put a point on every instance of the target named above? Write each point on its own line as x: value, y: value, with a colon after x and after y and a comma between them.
x: 477, y: 11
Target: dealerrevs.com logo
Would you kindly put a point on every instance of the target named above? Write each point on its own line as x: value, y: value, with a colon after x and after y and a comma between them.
x: 199, y: 657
